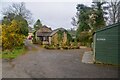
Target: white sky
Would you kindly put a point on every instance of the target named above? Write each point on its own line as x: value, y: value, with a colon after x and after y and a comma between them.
x: 53, y: 13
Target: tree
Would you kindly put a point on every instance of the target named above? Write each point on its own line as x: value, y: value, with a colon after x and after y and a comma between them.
x: 82, y: 19
x: 119, y: 13
x: 88, y: 20
x: 8, y: 18
x: 99, y: 11
x: 37, y: 25
x: 22, y: 24
x: 114, y: 11
x: 90, y: 17
x: 19, y: 13
x: 18, y: 9
x: 74, y: 22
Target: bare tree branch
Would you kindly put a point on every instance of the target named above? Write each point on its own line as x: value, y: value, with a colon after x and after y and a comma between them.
x: 19, y: 9
x: 114, y: 11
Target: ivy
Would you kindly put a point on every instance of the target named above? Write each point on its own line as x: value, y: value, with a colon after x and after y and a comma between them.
x: 60, y: 37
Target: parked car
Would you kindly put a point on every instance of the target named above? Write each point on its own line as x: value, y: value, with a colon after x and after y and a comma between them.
x: 29, y: 38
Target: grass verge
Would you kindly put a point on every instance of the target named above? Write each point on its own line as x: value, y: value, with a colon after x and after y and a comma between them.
x: 7, y: 54
x: 0, y: 55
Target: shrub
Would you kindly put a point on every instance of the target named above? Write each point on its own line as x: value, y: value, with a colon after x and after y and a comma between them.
x: 49, y: 46
x: 34, y: 41
x: 65, y: 47
x: 11, y: 36
x: 85, y: 38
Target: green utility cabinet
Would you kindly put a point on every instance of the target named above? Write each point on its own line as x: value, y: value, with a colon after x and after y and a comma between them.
x: 106, y: 44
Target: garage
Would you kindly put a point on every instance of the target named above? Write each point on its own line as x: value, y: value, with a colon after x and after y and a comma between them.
x: 106, y: 44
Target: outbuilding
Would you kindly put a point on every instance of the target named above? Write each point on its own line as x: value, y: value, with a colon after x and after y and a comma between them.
x: 105, y: 45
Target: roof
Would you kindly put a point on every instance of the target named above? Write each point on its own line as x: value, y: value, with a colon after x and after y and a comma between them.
x: 56, y: 30
x: 43, y: 33
x: 44, y: 29
x: 107, y: 27
x: 49, y: 32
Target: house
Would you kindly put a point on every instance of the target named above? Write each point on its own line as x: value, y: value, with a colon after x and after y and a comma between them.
x: 48, y: 36
x: 105, y: 45
x: 43, y: 35
x: 59, y: 36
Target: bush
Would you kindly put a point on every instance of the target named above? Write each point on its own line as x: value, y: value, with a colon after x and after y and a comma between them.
x: 34, y: 41
x: 11, y: 36
x: 58, y: 46
x: 65, y: 47
x: 74, y: 47
x: 61, y: 47
x: 85, y: 38
x: 49, y: 46
x: 0, y: 36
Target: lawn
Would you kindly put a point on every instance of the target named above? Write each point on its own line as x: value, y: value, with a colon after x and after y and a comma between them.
x: 0, y: 55
x: 12, y: 54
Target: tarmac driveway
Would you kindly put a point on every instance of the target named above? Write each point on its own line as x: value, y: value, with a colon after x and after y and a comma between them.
x: 42, y: 63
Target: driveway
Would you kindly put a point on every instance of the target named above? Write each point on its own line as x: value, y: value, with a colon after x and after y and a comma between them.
x: 42, y: 63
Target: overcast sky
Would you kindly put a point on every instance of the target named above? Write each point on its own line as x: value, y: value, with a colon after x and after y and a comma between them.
x: 51, y: 13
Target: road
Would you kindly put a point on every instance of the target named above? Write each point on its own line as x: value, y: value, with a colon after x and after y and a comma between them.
x: 42, y: 63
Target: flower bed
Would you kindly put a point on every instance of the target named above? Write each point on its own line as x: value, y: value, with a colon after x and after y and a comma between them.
x: 61, y: 47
